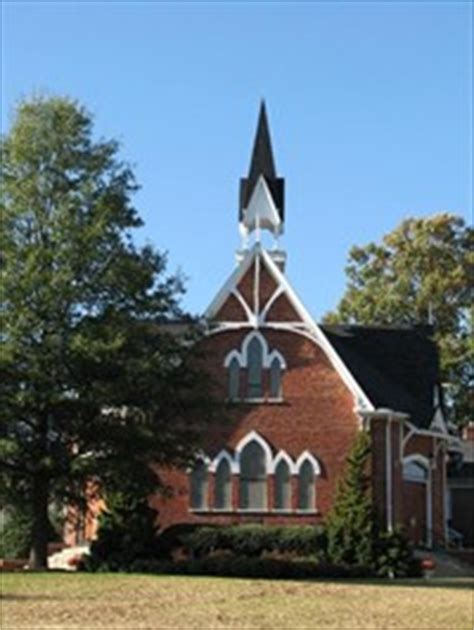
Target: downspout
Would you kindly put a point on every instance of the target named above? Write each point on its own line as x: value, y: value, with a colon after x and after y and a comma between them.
x: 388, y: 473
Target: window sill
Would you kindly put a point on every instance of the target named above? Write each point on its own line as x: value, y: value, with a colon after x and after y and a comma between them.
x: 255, y: 401
x: 252, y: 511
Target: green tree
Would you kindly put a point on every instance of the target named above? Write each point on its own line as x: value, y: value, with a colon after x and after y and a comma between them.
x: 420, y: 273
x: 351, y: 526
x: 92, y: 383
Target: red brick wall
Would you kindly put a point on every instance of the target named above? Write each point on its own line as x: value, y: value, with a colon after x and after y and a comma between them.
x: 316, y: 414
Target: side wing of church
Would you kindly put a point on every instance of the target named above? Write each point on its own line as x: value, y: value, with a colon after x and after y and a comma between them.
x: 297, y: 394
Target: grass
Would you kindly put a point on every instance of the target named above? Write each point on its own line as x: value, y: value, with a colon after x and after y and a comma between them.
x: 119, y: 601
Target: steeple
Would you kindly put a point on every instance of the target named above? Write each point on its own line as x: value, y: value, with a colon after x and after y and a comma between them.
x: 261, y: 192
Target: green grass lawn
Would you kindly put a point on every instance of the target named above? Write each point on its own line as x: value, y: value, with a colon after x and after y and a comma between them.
x: 119, y: 601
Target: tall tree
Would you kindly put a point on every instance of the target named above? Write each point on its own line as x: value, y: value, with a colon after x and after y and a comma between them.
x: 421, y: 272
x: 92, y: 382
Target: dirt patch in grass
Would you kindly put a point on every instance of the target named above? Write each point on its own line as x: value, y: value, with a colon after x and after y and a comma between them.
x: 116, y: 601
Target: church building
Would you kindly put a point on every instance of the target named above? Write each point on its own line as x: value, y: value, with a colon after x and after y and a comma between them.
x: 297, y: 394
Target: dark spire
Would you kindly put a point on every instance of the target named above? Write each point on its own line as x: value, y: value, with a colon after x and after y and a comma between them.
x: 262, y: 163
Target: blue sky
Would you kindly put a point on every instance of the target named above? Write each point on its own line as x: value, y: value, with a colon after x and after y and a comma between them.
x: 369, y: 104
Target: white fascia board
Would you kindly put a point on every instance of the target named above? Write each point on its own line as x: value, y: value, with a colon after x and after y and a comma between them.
x: 230, y: 285
x: 320, y: 337
x: 261, y: 210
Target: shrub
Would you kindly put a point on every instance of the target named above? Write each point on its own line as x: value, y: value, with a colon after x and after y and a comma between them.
x: 351, y: 524
x: 252, y: 541
x: 15, y: 538
x: 232, y: 566
x: 127, y: 532
x: 16, y: 532
x: 394, y: 556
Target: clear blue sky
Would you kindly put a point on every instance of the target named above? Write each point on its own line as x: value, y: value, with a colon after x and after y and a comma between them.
x: 369, y: 104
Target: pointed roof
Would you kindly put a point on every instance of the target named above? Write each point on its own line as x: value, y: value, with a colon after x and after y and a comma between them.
x: 262, y: 164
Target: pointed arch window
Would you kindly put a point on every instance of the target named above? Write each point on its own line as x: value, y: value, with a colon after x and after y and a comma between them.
x: 254, y: 368
x: 275, y: 378
x: 415, y: 471
x: 253, y: 477
x: 223, y: 486
x: 234, y: 379
x: 306, y: 491
x: 282, y: 486
x: 199, y: 486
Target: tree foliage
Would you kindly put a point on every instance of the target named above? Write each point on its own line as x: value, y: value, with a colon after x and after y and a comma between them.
x: 351, y: 524
x: 421, y: 272
x: 92, y: 382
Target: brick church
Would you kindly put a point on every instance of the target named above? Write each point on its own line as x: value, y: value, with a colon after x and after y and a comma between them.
x: 298, y: 392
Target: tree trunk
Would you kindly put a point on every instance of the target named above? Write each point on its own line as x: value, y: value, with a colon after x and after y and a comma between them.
x: 40, y: 530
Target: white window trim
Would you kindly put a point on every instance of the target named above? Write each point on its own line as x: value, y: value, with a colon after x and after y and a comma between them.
x: 283, y: 456
x: 307, y: 456
x: 250, y: 437
x: 224, y: 455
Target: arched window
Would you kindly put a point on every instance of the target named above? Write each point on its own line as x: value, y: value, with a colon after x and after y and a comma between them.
x: 415, y: 471
x: 275, y: 378
x: 306, y: 493
x: 282, y: 486
x: 223, y: 486
x: 254, y: 368
x: 234, y: 379
x: 253, y: 477
x: 199, y: 485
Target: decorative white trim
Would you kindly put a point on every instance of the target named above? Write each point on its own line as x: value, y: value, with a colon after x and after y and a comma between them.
x: 307, y: 456
x: 251, y: 437
x: 274, y: 354
x: 417, y: 458
x: 283, y: 456
x: 238, y: 295
x: 261, y: 212
x: 273, y: 298
x: 267, y: 357
x: 224, y: 455
x: 230, y: 285
x: 233, y: 354
x: 317, y: 332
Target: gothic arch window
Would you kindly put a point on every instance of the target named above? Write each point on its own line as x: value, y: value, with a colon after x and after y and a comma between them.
x: 199, y: 486
x: 275, y: 378
x: 282, y: 486
x: 254, y: 368
x: 223, y: 486
x: 306, y: 490
x: 415, y: 471
x: 234, y: 379
x: 253, y: 477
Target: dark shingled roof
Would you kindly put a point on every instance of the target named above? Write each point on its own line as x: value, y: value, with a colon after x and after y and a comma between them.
x: 396, y: 367
x: 262, y: 163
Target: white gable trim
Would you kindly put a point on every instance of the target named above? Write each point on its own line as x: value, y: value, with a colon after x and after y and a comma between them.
x: 333, y: 356
x: 315, y: 332
x: 276, y: 294
x: 261, y: 211
x: 250, y: 316
x: 230, y: 285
